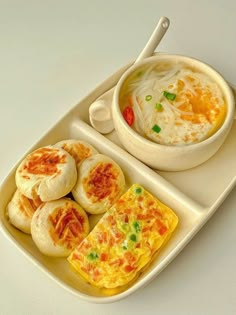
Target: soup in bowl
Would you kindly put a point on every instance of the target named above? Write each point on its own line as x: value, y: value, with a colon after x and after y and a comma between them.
x: 172, y: 112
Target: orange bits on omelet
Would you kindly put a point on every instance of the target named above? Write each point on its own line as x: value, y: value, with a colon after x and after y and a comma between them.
x: 125, y: 239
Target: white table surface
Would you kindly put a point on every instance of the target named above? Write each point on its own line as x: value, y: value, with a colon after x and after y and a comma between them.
x: 52, y: 53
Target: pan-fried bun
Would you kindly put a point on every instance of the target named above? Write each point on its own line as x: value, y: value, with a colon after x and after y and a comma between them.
x: 49, y: 173
x: 80, y: 150
x: 99, y: 184
x: 58, y: 227
x: 20, y: 211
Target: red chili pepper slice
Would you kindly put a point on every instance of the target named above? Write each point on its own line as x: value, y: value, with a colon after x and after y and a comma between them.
x: 128, y: 115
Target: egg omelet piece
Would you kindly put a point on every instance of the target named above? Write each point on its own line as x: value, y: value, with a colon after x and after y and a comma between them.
x: 124, y: 240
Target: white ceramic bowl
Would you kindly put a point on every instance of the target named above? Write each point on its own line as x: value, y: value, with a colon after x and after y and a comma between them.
x: 165, y: 157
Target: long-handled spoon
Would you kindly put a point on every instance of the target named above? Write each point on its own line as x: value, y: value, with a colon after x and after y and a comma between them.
x: 100, y: 111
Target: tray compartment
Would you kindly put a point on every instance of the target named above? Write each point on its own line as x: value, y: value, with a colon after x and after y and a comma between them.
x: 189, y: 212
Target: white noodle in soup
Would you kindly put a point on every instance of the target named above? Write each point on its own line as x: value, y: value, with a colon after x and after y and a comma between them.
x: 172, y: 104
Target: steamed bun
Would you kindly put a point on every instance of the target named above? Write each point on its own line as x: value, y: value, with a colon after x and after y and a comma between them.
x: 79, y: 149
x: 48, y: 173
x: 20, y: 211
x: 99, y: 184
x: 58, y: 226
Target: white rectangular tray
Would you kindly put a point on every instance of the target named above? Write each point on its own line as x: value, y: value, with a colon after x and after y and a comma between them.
x: 194, y: 195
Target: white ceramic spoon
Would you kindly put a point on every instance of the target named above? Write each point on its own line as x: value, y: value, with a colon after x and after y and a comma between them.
x: 100, y: 111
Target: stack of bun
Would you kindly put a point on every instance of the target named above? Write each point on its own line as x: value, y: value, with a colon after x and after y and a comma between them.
x: 58, y: 187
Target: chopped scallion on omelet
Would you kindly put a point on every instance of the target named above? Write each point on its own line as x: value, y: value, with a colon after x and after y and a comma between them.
x: 124, y: 240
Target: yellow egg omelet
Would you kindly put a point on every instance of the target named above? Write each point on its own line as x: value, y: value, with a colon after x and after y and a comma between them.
x: 125, y: 239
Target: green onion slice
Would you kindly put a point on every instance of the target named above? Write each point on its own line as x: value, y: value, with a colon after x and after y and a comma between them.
x: 133, y: 238
x: 137, y: 226
x: 159, y: 107
x: 138, y: 190
x: 92, y: 256
x: 125, y: 244
x: 156, y: 128
x: 148, y: 98
x: 169, y: 96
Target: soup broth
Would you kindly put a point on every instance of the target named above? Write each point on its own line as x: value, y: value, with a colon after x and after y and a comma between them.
x: 172, y: 104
